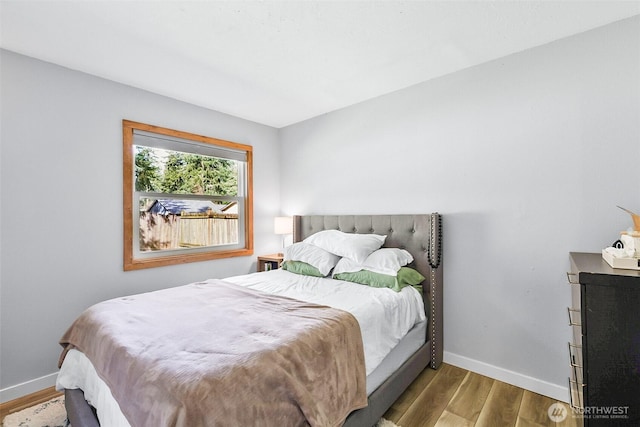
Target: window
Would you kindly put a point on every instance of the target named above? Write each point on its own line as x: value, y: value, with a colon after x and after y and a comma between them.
x: 186, y: 197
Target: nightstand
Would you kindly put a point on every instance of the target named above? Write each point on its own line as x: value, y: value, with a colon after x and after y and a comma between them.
x: 269, y: 262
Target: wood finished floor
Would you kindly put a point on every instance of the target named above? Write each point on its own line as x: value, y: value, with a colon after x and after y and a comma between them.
x: 451, y: 396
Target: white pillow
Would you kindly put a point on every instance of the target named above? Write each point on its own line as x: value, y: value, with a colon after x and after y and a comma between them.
x: 384, y: 261
x: 389, y: 258
x: 353, y: 246
x: 319, y: 258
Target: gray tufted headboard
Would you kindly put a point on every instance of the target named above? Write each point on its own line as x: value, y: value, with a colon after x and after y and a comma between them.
x: 420, y: 235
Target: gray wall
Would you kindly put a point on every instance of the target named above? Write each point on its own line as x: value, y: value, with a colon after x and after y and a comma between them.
x: 61, y: 212
x: 526, y: 157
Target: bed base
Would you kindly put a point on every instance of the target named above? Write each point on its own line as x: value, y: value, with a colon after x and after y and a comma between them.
x: 79, y: 412
x: 406, y: 231
x: 389, y: 391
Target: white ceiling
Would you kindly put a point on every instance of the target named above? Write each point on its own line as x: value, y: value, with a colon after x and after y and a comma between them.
x: 281, y: 62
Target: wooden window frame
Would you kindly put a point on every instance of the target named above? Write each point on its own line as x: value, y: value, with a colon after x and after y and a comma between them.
x: 133, y: 263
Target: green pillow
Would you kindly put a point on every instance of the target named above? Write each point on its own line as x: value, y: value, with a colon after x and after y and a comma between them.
x: 409, y: 277
x: 299, y: 267
x: 369, y: 278
x: 406, y: 277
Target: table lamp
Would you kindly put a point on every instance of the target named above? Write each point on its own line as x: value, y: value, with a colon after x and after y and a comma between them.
x: 283, y: 225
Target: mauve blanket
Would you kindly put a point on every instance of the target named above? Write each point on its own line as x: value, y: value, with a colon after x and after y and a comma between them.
x: 219, y: 354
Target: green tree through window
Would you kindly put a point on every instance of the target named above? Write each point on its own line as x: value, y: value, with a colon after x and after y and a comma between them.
x: 147, y: 172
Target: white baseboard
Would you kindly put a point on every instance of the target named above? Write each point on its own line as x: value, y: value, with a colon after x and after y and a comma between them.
x: 554, y: 391
x: 28, y: 387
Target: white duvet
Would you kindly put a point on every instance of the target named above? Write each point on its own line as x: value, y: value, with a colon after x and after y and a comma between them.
x: 384, y: 315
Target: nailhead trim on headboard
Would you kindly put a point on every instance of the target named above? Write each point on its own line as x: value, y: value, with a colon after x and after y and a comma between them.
x: 435, y: 257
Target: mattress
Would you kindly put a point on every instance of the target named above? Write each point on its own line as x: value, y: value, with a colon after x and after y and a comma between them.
x: 393, y: 327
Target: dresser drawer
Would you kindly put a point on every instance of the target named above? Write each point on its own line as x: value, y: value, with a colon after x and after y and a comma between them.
x: 575, y: 362
x: 576, y: 366
x: 576, y: 379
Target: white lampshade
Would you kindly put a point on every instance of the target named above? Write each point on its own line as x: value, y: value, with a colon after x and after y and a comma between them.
x: 283, y: 225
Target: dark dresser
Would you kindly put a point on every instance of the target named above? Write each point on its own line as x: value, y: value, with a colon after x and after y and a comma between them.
x: 605, y: 352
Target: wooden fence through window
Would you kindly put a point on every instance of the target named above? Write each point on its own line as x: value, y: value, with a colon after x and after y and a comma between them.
x: 159, y: 232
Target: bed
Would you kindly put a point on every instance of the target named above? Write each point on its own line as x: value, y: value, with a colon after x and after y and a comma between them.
x: 387, y: 378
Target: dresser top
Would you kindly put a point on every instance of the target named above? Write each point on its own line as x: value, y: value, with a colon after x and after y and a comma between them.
x: 591, y: 267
